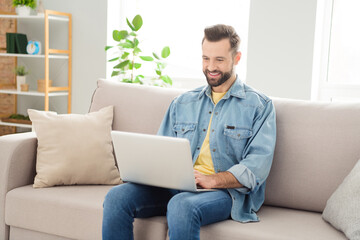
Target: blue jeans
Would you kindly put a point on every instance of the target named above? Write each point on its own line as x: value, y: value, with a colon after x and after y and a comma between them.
x: 186, y: 212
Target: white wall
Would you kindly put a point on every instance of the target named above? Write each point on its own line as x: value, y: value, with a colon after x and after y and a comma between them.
x: 89, y: 39
x: 280, y: 47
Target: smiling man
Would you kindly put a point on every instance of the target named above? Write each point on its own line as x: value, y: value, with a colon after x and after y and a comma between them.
x: 232, y: 132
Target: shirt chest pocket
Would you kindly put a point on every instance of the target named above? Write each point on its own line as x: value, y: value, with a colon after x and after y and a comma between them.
x: 185, y: 130
x: 235, y: 140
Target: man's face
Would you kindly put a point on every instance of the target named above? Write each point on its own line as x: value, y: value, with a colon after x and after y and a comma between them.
x: 218, y: 62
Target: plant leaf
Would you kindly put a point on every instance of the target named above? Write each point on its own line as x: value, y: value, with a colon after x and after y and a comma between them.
x: 116, y: 35
x: 123, y: 34
x: 166, y: 79
x: 115, y: 73
x: 156, y: 56
x: 125, y: 45
x: 125, y: 54
x: 108, y: 47
x: 147, y: 58
x: 137, y: 50
x: 114, y: 59
x: 158, y: 72
x: 137, y: 65
x: 137, y: 22
x: 136, y: 42
x: 122, y: 64
x: 130, y: 25
x: 165, y: 52
x: 141, y: 76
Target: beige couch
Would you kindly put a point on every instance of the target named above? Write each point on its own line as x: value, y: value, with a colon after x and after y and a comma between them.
x: 316, y: 148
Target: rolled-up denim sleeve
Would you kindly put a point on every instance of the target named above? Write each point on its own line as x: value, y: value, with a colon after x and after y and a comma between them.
x: 168, y: 122
x: 257, y: 157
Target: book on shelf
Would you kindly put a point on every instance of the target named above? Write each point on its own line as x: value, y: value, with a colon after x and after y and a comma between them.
x: 16, y: 43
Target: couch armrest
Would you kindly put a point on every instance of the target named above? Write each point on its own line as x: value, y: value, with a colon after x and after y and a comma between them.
x: 17, y: 168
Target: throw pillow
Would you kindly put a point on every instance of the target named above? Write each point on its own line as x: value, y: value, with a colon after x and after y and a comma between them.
x: 343, y: 207
x: 74, y: 148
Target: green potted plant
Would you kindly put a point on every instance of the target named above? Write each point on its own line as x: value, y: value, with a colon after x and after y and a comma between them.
x: 23, y: 7
x: 21, y: 73
x: 129, y: 58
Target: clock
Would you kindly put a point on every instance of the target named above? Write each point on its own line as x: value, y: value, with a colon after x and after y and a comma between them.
x: 33, y: 47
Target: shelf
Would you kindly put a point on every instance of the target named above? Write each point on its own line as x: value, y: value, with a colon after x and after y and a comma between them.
x: 33, y: 93
x: 39, y: 16
x: 15, y: 124
x: 33, y: 56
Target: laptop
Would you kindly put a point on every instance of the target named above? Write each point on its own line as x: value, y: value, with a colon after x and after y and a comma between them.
x: 155, y: 160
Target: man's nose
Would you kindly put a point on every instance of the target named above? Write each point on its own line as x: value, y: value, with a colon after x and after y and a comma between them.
x: 212, y: 66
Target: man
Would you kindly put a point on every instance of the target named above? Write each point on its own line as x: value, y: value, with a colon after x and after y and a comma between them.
x: 232, y: 133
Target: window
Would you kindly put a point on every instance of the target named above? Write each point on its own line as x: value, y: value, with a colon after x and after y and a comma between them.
x: 180, y: 25
x: 338, y: 51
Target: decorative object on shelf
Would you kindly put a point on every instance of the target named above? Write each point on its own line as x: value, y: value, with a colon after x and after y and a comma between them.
x: 16, y: 43
x: 129, y: 55
x: 41, y: 85
x: 17, y: 118
x: 21, y: 73
x: 33, y: 47
x: 23, y: 7
x: 24, y: 87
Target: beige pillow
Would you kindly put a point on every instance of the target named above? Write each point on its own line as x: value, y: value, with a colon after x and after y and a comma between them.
x: 74, y: 148
x: 343, y: 207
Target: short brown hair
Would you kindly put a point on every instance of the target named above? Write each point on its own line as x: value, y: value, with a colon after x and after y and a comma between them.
x: 219, y: 32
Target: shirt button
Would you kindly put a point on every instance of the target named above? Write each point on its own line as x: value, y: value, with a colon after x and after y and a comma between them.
x: 198, y: 148
x: 216, y: 113
x: 238, y: 135
x: 182, y: 129
x: 212, y: 130
x: 214, y: 150
x: 204, y: 130
x: 209, y: 112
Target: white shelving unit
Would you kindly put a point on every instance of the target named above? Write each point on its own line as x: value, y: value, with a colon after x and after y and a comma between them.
x: 33, y: 56
x: 15, y: 124
x: 49, y: 53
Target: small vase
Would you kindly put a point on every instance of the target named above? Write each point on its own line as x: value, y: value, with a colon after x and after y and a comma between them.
x: 23, y: 10
x: 20, y: 80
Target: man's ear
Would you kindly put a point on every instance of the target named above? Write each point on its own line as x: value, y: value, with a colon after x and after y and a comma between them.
x: 237, y: 58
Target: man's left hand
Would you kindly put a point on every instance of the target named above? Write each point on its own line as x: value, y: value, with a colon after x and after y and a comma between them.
x: 217, y: 180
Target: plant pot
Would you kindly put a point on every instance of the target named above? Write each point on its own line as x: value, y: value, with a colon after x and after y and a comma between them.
x: 20, y: 80
x: 23, y: 10
x: 41, y: 85
x: 24, y: 87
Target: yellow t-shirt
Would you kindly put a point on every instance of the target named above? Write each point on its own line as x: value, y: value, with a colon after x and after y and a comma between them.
x: 204, y: 163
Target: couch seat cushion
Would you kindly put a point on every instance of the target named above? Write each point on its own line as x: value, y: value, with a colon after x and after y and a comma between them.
x: 69, y: 211
x: 275, y: 224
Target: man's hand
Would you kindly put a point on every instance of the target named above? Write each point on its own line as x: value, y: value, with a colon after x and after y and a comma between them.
x: 217, y: 180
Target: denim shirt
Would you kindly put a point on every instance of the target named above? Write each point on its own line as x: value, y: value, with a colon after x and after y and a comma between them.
x: 242, y: 138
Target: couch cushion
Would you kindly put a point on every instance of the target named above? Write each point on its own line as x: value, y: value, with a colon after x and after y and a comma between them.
x: 76, y: 212
x: 343, y: 209
x: 69, y: 211
x: 137, y: 108
x: 275, y: 224
x: 74, y: 148
x: 317, y: 146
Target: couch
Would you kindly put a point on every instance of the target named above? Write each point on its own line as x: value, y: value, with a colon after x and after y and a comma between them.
x: 317, y: 146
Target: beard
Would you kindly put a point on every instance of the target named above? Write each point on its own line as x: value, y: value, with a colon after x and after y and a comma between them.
x: 214, y: 82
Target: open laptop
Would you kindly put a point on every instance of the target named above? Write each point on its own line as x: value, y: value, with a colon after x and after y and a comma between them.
x: 155, y: 160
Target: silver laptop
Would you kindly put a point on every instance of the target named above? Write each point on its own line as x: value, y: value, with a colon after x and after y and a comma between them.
x: 155, y: 160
